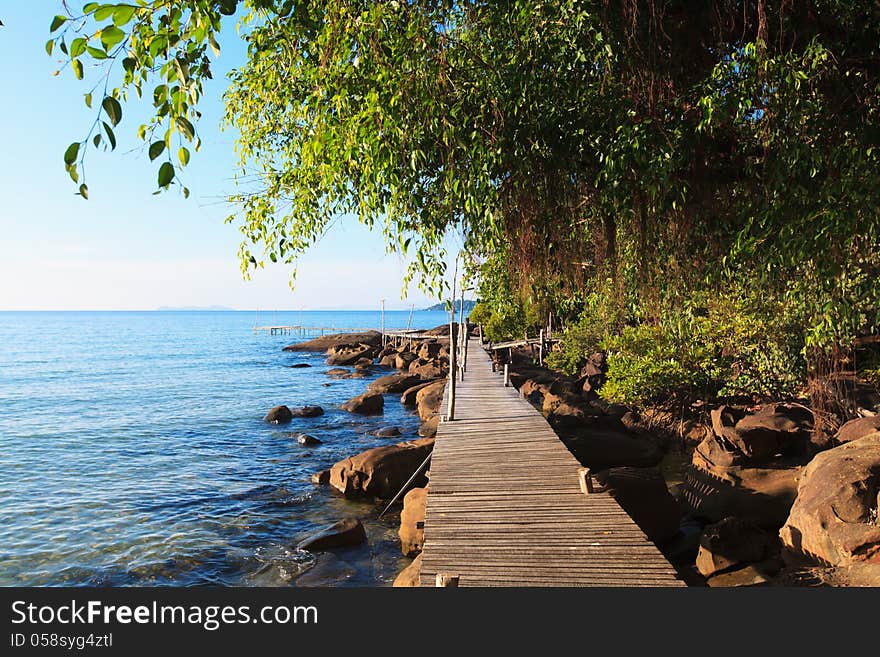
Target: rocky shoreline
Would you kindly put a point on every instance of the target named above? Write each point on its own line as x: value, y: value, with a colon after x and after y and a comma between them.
x: 765, y: 498
x: 378, y: 474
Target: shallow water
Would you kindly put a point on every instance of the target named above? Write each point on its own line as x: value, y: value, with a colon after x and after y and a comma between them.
x: 133, y: 451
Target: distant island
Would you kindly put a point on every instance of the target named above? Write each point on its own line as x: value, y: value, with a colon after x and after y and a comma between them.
x: 190, y: 308
x: 468, y: 306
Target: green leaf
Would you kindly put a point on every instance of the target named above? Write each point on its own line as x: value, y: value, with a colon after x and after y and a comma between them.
x: 113, y: 109
x: 84, y: 191
x: 50, y: 46
x: 71, y: 153
x: 77, y: 68
x: 88, y: 98
x: 71, y: 171
x: 123, y: 14
x: 90, y: 6
x: 57, y: 22
x: 110, y: 136
x: 110, y: 36
x: 186, y: 127
x: 215, y: 47
x: 185, y: 192
x: 77, y: 47
x: 104, y: 12
x: 97, y: 140
x: 156, y: 149
x: 166, y: 174
x: 183, y: 156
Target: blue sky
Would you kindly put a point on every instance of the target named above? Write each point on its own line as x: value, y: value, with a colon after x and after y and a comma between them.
x: 125, y: 248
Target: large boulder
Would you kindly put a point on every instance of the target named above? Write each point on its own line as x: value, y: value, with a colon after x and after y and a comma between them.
x: 345, y: 533
x: 858, y: 428
x: 410, y: 576
x: 429, y: 398
x: 592, y: 375
x: 408, y: 398
x: 601, y: 449
x: 430, y: 350
x: 425, y: 369
x: 279, y: 415
x: 381, y: 471
x: 326, y: 342
x: 368, y: 403
x: 834, y: 518
x: 397, y: 382
x: 731, y: 542
x: 412, y: 522
x: 402, y: 360
x: 643, y: 494
x: 762, y: 495
x: 349, y: 354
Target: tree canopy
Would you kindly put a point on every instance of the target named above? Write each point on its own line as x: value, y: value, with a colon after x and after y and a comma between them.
x: 664, y: 152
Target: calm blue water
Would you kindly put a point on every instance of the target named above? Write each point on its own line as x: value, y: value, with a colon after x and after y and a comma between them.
x: 133, y: 451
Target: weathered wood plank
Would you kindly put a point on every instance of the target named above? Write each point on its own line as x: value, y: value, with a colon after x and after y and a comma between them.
x: 504, y: 506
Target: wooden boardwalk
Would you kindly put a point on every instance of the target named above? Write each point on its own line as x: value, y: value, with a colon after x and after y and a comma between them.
x: 504, y: 504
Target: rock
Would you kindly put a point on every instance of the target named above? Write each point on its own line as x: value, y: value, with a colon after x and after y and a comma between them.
x: 643, y: 494
x: 320, y: 478
x: 729, y: 543
x: 327, y: 570
x: 299, y: 365
x: 592, y: 375
x: 308, y: 411
x: 339, y: 373
x: 409, y: 576
x: 307, y: 440
x: 429, y: 398
x: 428, y: 428
x: 389, y: 360
x: 345, y: 533
x: 858, y: 428
x: 278, y: 415
x: 425, y: 369
x: 365, y: 404
x: 408, y: 398
x: 761, y: 495
x: 429, y: 350
x: 402, y: 360
x: 600, y: 449
x: 350, y: 354
x: 412, y: 522
x: 387, y: 432
x: 834, y: 518
x: 326, y: 342
x: 381, y: 471
x: 397, y: 382
x: 363, y: 363
x: 749, y: 576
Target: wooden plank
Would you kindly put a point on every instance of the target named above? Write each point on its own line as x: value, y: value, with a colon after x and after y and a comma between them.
x: 504, y: 506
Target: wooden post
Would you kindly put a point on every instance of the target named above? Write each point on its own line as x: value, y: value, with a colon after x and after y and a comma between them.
x: 447, y: 580
x: 585, y: 477
x: 541, y: 349
x: 506, y: 375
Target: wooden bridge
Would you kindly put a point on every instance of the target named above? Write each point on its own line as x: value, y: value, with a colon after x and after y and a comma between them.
x: 505, y: 506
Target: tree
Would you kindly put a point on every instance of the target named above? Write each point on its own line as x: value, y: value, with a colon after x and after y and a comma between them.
x: 675, y: 150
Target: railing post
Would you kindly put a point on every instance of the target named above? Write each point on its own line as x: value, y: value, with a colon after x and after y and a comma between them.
x: 541, y: 349
x: 450, y: 406
x: 506, y: 375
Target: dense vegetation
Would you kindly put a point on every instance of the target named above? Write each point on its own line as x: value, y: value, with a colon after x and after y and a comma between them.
x: 688, y: 186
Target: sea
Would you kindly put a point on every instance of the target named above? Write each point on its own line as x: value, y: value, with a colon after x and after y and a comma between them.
x: 133, y: 451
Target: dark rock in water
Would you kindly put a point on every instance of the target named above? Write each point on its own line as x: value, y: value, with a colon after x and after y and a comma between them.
x: 320, y: 478
x: 834, y: 518
x: 402, y: 360
x: 328, y: 570
x: 325, y: 342
x: 393, y: 383
x: 729, y: 543
x: 345, y: 533
x: 753, y: 575
x: 428, y: 428
x: 364, y: 363
x: 858, y: 428
x: 299, y: 365
x: 381, y: 471
x: 279, y: 415
x: 387, y: 432
x: 308, y: 411
x: 408, y: 398
x: 643, y: 494
x: 365, y: 404
x: 306, y: 439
